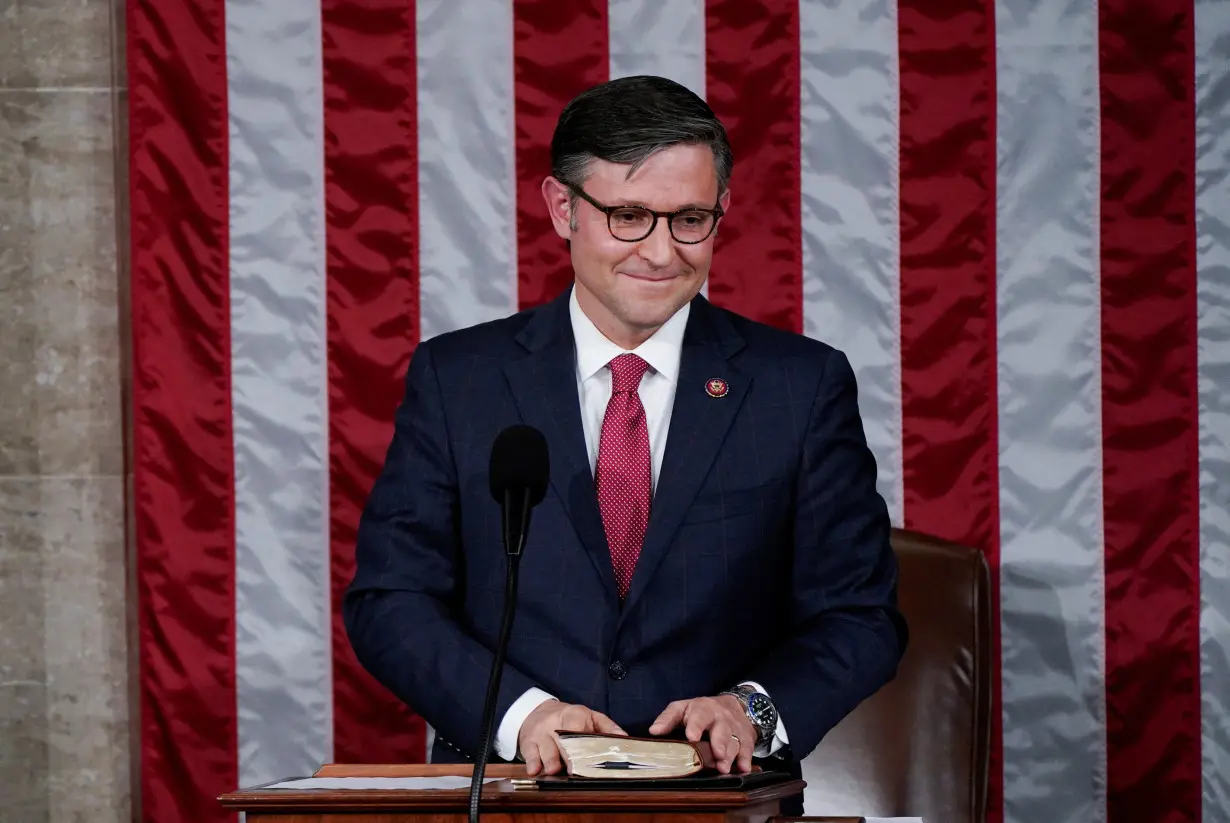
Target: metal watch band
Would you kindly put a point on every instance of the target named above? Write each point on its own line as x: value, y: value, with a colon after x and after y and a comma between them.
x: 744, y: 695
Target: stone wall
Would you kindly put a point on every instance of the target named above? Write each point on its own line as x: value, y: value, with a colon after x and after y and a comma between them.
x: 64, y: 685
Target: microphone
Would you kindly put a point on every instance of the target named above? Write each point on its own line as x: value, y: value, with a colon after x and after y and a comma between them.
x: 518, y: 472
x: 518, y: 478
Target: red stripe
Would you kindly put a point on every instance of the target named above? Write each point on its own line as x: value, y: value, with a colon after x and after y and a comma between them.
x: 1149, y: 402
x: 371, y: 204
x: 559, y: 50
x: 752, y: 84
x: 948, y: 298
x: 182, y: 451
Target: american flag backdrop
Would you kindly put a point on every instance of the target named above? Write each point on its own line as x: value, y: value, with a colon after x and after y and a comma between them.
x: 1013, y: 216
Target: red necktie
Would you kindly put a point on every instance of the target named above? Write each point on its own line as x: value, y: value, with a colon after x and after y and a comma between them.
x: 623, y: 476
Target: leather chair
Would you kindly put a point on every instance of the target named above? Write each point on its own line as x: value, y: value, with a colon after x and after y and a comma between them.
x: 919, y: 747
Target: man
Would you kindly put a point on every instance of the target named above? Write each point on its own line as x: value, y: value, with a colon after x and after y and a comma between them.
x: 711, y: 558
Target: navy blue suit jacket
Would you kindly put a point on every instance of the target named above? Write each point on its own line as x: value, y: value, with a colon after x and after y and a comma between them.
x: 767, y: 555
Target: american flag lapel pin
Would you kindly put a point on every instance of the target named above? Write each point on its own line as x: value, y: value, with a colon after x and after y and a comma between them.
x: 717, y: 387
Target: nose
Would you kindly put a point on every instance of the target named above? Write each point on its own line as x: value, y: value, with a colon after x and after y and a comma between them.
x: 658, y: 248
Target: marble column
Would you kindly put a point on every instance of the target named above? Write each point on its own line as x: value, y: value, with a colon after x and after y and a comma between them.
x: 64, y: 681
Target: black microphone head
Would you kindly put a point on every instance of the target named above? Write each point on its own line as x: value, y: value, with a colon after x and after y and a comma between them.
x: 519, y: 461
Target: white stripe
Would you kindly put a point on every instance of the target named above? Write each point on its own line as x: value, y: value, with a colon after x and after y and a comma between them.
x: 277, y: 268
x: 851, y: 243
x: 643, y: 37
x: 1213, y: 374
x: 849, y: 127
x: 467, y: 168
x: 1050, y: 399
x: 652, y: 37
x: 467, y: 185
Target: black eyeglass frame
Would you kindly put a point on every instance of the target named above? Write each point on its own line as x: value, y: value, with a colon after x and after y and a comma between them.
x: 716, y: 211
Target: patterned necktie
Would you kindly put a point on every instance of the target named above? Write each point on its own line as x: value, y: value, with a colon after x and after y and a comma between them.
x: 623, y: 475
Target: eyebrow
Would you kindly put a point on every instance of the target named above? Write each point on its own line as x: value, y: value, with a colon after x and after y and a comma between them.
x: 641, y: 204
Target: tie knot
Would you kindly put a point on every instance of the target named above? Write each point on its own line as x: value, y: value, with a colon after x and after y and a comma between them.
x: 626, y: 372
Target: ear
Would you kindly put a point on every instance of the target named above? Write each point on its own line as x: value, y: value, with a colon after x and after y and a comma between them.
x: 724, y: 204
x: 558, y: 200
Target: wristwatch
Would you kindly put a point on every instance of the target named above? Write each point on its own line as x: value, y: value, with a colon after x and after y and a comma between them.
x: 760, y: 710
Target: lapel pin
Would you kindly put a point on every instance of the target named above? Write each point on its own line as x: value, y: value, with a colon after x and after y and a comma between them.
x: 717, y: 387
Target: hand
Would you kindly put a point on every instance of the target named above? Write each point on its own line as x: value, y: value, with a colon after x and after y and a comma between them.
x: 538, y: 742
x: 731, y: 735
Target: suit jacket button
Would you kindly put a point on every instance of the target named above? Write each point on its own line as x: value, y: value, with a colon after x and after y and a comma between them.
x: 617, y: 670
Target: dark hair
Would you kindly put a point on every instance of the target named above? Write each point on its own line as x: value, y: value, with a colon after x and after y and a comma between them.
x: 629, y: 119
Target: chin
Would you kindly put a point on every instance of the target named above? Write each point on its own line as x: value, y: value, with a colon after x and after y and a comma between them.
x: 647, y: 315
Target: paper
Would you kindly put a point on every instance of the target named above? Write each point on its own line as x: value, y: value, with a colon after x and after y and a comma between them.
x: 416, y: 783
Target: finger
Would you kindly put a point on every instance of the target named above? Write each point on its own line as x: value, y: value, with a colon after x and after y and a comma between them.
x: 532, y: 761
x: 699, y: 718
x: 548, y: 752
x: 724, y: 745
x: 669, y: 718
x: 746, y: 749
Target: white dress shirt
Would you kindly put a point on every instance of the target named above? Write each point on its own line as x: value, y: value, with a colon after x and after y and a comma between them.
x: 594, y: 350
x: 657, y: 390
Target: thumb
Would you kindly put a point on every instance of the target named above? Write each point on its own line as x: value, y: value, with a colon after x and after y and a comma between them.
x: 668, y: 719
x: 606, y: 725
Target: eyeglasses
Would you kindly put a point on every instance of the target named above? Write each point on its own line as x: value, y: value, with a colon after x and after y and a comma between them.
x: 633, y: 223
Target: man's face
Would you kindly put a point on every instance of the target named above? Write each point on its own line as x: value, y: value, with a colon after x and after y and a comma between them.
x: 628, y: 289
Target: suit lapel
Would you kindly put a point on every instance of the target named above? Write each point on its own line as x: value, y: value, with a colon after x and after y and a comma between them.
x: 698, y: 427
x: 544, y: 387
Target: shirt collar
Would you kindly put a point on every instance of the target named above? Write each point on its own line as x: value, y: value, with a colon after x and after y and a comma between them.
x: 594, y: 350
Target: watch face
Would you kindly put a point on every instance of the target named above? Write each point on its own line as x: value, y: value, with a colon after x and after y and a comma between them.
x: 762, y: 710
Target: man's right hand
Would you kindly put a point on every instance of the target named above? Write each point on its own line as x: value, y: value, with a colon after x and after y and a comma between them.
x: 538, y: 742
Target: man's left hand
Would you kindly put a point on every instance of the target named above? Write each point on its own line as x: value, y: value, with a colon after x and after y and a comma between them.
x: 731, y: 735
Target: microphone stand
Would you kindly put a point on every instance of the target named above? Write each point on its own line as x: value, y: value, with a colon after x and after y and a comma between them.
x: 513, y: 544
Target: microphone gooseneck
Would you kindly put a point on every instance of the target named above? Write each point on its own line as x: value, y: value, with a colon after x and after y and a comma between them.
x: 519, y: 472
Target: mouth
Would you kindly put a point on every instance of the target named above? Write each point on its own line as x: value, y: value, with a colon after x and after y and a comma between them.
x: 649, y: 278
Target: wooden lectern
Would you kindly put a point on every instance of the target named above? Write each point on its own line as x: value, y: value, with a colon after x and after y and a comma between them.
x: 513, y: 798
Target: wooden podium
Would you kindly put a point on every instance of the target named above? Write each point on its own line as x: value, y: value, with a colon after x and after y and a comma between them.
x: 513, y: 798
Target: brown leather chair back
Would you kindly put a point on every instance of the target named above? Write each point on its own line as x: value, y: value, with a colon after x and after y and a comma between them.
x: 920, y: 746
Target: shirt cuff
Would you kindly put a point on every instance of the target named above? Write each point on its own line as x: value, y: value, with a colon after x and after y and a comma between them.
x: 779, y: 738
x: 509, y: 732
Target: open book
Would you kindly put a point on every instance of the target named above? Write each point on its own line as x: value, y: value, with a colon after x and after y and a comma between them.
x: 639, y: 758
